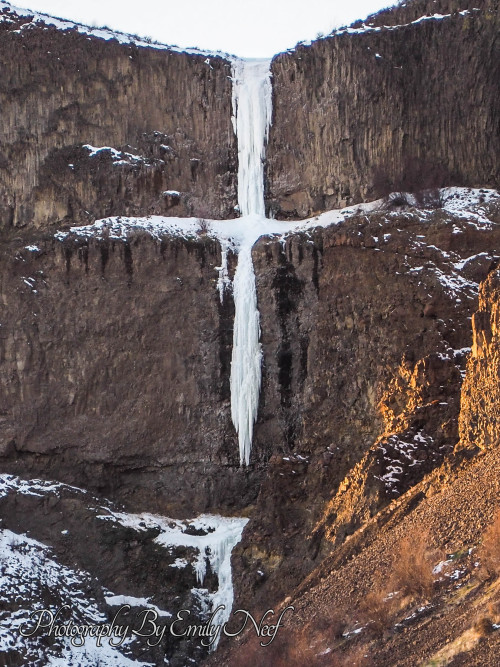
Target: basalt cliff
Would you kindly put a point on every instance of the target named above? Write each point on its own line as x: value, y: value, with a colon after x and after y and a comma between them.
x: 377, y: 419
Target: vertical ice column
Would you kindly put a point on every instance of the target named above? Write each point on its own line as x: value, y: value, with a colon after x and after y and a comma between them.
x: 252, y: 109
x: 247, y: 353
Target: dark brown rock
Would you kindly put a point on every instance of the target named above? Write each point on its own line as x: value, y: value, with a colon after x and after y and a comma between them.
x: 357, y: 379
x: 116, y: 359
x: 62, y: 89
x: 358, y: 113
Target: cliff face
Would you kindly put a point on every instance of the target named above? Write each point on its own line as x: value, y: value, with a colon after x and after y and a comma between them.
x: 115, y: 359
x: 168, y: 114
x: 386, y: 108
x: 115, y: 352
x: 353, y: 114
x: 480, y: 417
x: 366, y: 330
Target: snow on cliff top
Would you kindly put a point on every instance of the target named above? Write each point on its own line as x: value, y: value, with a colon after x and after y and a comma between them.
x: 368, y: 28
x: 35, y: 18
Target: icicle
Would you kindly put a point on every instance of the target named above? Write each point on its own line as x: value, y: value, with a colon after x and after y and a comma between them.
x: 200, y: 567
x: 223, y: 281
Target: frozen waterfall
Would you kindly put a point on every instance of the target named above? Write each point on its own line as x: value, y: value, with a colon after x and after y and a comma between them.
x: 252, y: 109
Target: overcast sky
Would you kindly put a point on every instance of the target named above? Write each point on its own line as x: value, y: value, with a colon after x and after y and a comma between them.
x: 247, y: 28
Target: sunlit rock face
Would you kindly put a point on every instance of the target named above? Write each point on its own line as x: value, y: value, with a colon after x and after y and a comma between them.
x: 480, y: 417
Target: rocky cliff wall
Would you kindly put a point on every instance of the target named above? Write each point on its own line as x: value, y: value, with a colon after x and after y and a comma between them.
x: 115, y: 364
x: 354, y: 113
x: 116, y: 353
x: 361, y: 112
x: 480, y: 416
x: 167, y: 114
x: 366, y: 332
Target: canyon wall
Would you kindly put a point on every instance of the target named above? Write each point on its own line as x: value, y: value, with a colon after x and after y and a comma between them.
x: 366, y: 331
x: 354, y: 114
x: 168, y: 114
x: 116, y: 352
x: 115, y: 364
x: 359, y: 114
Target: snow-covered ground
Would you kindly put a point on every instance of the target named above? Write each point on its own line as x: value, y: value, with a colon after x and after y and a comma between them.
x: 467, y: 203
x: 367, y: 28
x: 31, y: 580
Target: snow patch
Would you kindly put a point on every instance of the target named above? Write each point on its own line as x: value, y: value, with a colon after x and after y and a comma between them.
x: 212, y: 537
x: 120, y: 600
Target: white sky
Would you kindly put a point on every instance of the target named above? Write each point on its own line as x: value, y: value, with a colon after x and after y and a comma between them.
x: 247, y: 28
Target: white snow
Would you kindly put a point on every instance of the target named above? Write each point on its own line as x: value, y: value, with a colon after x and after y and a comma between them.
x: 462, y: 263
x: 455, y: 284
x: 234, y: 233
x: 33, y: 487
x: 121, y: 157
x: 120, y: 600
x: 367, y: 28
x: 28, y: 571
x: 404, y: 449
x: 90, y: 655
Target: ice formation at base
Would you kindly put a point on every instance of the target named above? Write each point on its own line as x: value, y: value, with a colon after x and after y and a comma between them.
x: 219, y: 536
x: 252, y: 107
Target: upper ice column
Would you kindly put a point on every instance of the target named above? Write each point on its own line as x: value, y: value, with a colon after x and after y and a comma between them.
x: 252, y: 109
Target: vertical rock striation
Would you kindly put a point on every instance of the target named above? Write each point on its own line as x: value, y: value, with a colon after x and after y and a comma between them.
x: 115, y: 359
x: 167, y: 114
x: 362, y: 111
